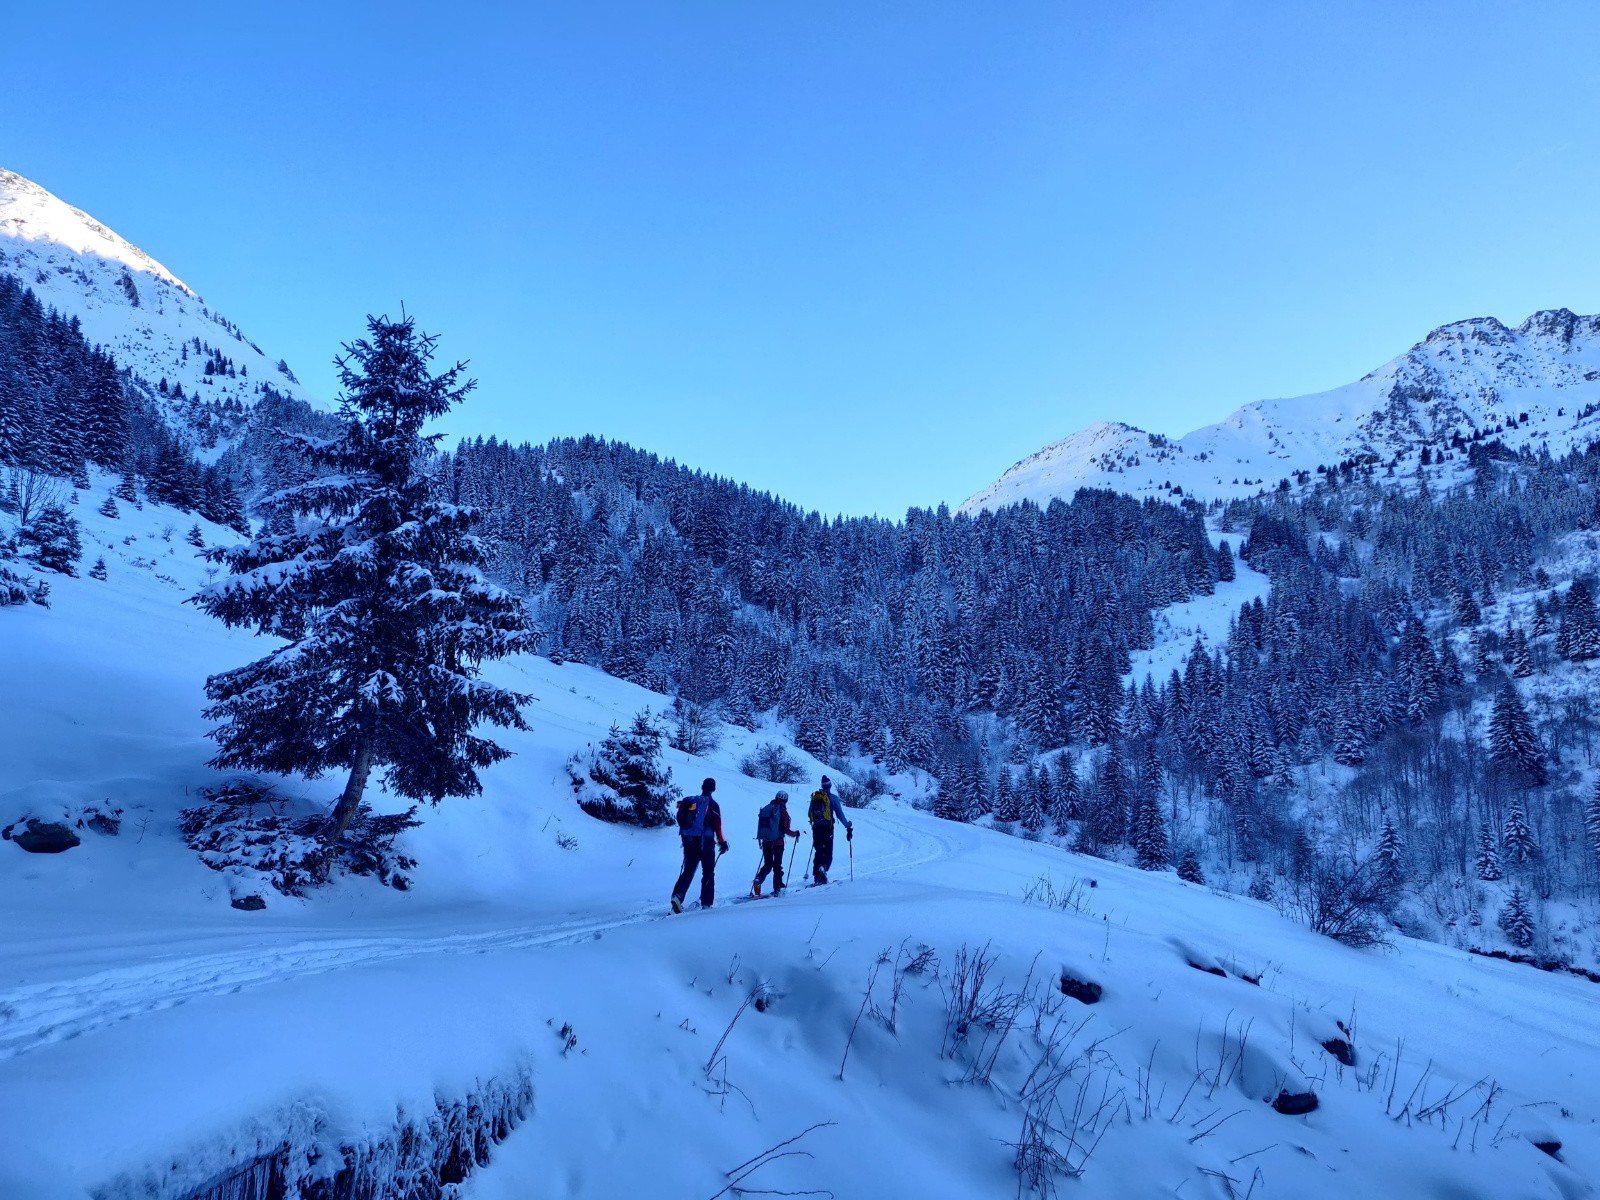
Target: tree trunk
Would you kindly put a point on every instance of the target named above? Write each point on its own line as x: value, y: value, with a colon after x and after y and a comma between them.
x: 344, y: 812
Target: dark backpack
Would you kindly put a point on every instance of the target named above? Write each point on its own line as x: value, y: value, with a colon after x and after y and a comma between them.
x: 769, y: 823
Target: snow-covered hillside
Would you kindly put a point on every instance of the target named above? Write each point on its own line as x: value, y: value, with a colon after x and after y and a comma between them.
x: 155, y: 1041
x: 139, y: 312
x: 1535, y: 385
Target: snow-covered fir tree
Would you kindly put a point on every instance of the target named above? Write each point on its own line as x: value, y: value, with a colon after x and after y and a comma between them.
x: 1516, y: 835
x: 1064, y: 796
x: 625, y: 780
x: 1007, y: 806
x: 1591, y: 821
x: 1151, y: 847
x: 1225, y: 566
x: 1486, y: 862
x: 375, y: 584
x: 1389, y: 855
x: 51, y: 540
x: 1513, y: 745
x: 1189, y: 867
x: 1516, y: 920
x: 1031, y: 816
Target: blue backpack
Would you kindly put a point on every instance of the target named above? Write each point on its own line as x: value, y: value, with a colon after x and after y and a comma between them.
x: 769, y: 825
x: 692, y: 813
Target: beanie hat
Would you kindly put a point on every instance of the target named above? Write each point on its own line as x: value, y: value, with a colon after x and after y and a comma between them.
x: 708, y: 786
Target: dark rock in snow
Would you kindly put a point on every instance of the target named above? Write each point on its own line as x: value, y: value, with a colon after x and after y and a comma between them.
x: 1213, y: 969
x: 1081, y: 990
x: 1342, y: 1050
x: 249, y: 903
x: 43, y: 837
x: 1549, y: 1145
x: 1295, y: 1104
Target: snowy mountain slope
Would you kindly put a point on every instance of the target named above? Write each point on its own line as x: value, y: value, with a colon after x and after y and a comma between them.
x: 139, y: 312
x: 1535, y: 385
x: 152, y: 1038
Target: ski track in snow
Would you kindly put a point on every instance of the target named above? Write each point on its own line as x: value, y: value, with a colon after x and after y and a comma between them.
x: 39, y: 1014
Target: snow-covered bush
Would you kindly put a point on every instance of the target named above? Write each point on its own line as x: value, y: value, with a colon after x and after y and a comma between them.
x: 859, y: 793
x: 257, y: 836
x: 20, y: 589
x: 624, y: 780
x: 773, y: 763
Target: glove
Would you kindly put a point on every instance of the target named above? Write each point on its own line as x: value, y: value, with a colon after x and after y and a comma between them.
x: 722, y: 849
x: 849, y: 833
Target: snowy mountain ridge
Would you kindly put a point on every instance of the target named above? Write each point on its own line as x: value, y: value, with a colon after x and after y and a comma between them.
x: 1535, y: 385
x: 139, y: 312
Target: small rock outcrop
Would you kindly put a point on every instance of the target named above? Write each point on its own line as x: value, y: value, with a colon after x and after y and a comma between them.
x: 1295, y: 1104
x: 42, y: 837
x: 1084, y: 991
x: 249, y: 903
x: 1341, y: 1049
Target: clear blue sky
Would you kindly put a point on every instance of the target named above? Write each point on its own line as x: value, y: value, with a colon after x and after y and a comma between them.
x: 865, y: 255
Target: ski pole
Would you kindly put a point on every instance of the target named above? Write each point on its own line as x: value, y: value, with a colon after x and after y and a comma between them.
x: 790, y: 872
x: 809, y: 854
x: 851, y: 842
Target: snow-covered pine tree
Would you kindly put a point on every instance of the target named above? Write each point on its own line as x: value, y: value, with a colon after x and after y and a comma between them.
x: 1226, y: 571
x: 376, y: 587
x: 948, y: 803
x: 1591, y: 821
x: 1513, y: 746
x: 1486, y: 863
x: 51, y: 540
x: 1065, y: 798
x: 1032, y: 818
x: 1516, y: 920
x: 194, y: 537
x: 1520, y: 654
x: 1389, y: 856
x: 1152, y: 851
x: 1007, y: 806
x: 1189, y: 867
x: 109, y: 508
x: 625, y: 781
x: 1516, y: 835
x: 98, y: 571
x: 1580, y: 626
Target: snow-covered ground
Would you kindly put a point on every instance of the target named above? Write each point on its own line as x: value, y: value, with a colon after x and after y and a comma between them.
x: 152, y: 1037
x: 1206, y: 619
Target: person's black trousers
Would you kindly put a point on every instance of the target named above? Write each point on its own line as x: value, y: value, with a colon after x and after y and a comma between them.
x: 771, y: 860
x: 822, y: 843
x: 702, y: 853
